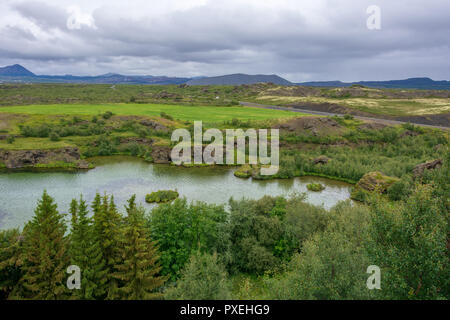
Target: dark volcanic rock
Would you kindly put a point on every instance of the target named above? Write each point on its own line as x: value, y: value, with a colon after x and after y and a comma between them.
x: 321, y: 160
x: 430, y: 165
x: 161, y: 154
x: 373, y: 181
x: 314, y: 125
x: 15, y: 159
x: 153, y: 125
x: 409, y: 133
x: 372, y: 126
x: 142, y: 141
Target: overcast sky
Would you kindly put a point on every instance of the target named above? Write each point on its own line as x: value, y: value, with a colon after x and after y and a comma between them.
x: 299, y: 40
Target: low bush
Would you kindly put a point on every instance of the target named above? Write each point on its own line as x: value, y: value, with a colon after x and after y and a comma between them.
x: 107, y: 115
x: 166, y: 116
x: 315, y: 187
x: 10, y: 139
x: 162, y: 196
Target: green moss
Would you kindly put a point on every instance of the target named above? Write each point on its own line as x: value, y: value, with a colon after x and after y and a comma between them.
x: 57, y: 164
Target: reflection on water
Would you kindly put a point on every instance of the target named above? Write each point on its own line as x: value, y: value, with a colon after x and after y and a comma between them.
x: 125, y: 176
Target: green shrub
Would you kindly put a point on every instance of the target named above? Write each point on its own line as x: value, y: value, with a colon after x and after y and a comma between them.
x: 166, y: 116
x: 54, y: 136
x: 348, y: 117
x: 399, y: 190
x: 203, y: 278
x: 315, y: 187
x: 162, y: 196
x: 107, y: 115
x: 76, y: 120
x: 10, y: 139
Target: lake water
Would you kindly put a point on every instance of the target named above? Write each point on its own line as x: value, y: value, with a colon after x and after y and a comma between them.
x: 125, y: 176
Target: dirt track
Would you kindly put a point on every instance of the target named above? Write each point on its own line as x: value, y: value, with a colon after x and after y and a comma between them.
x: 415, y: 120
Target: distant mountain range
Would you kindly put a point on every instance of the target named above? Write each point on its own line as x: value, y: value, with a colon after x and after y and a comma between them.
x: 18, y: 74
x: 240, y: 78
x: 411, y: 83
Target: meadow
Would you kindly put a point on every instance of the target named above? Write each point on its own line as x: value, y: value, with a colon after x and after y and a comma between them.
x: 180, y: 112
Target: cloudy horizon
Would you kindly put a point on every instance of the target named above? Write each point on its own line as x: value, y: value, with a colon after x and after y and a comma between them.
x: 319, y: 40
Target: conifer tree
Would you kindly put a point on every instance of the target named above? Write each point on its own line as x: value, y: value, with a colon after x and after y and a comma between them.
x: 107, y: 226
x: 10, y: 263
x: 45, y: 256
x: 138, y: 269
x: 85, y: 252
x: 96, y: 204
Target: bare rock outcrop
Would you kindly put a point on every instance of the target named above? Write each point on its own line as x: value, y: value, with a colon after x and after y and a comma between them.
x: 161, y: 154
x: 430, y: 165
x: 16, y: 159
x: 372, y: 126
x: 153, y: 125
x: 314, y: 125
x: 321, y: 160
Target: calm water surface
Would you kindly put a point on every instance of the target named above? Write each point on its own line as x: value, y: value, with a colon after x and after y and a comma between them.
x: 125, y: 176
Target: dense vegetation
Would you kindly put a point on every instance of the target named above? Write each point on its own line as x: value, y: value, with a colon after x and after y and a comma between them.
x: 315, y: 187
x: 161, y: 196
x: 280, y: 248
x: 395, y: 151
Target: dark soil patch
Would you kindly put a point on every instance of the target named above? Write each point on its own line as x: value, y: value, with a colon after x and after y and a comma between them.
x: 442, y: 120
x: 313, y: 125
x: 330, y: 108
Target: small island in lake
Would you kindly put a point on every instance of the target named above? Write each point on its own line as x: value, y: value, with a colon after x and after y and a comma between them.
x: 162, y: 196
x: 315, y: 187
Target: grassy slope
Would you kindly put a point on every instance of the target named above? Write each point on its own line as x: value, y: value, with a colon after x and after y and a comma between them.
x: 393, y: 107
x: 376, y: 101
x: 181, y: 112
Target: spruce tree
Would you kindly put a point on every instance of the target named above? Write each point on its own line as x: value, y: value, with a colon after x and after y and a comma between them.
x: 45, y: 256
x: 107, y: 226
x: 10, y: 263
x: 138, y: 269
x: 85, y: 252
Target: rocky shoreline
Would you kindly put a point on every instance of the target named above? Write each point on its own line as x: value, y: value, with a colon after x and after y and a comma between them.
x: 68, y: 157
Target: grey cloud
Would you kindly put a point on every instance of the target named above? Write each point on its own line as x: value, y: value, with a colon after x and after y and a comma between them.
x: 218, y: 38
x: 44, y: 15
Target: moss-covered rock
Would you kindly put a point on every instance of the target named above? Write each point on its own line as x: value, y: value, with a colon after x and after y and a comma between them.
x: 68, y: 157
x: 372, y: 182
x: 430, y: 165
x: 244, y: 172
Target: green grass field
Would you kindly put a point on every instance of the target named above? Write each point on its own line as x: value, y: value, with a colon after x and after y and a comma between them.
x: 181, y: 112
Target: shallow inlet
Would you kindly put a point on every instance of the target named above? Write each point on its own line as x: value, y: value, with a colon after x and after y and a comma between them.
x: 125, y: 176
